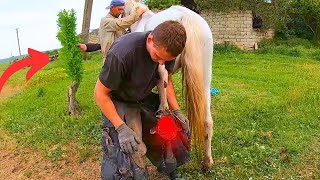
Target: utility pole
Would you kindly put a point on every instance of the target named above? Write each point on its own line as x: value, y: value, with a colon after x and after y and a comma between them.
x: 86, y: 22
x: 18, y: 41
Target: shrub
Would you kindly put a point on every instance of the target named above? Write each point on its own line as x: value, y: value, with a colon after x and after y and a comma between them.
x: 226, y: 48
x: 295, y: 42
x: 70, y: 53
x: 266, y: 46
x: 161, y: 4
x: 288, y: 51
x: 316, y: 55
x: 295, y: 47
x: 40, y: 92
x: 295, y: 52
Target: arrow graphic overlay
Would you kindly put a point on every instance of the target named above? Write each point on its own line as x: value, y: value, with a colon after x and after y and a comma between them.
x: 37, y: 60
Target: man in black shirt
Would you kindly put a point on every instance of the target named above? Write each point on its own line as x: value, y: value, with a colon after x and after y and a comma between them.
x: 129, y: 74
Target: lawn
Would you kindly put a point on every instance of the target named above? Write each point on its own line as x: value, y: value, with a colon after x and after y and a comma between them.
x: 266, y: 126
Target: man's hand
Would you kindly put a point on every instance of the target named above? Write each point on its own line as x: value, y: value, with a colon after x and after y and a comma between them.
x: 184, y: 122
x: 140, y: 10
x: 82, y: 47
x: 128, y: 139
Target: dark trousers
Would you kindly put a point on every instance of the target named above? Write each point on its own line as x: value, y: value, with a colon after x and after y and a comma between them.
x: 165, y: 155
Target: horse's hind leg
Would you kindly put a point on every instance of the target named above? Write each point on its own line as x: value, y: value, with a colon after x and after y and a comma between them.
x: 207, y: 65
x: 162, y: 85
x: 208, y: 124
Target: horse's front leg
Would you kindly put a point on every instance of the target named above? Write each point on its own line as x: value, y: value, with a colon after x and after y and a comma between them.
x: 162, y: 85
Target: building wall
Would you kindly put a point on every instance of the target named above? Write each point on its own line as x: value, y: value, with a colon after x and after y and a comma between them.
x: 233, y: 27
x: 94, y: 36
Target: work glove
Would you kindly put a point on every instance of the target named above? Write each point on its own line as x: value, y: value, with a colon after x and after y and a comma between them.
x: 184, y: 122
x: 128, y: 139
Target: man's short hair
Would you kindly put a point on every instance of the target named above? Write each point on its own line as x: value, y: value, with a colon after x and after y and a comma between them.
x: 170, y: 35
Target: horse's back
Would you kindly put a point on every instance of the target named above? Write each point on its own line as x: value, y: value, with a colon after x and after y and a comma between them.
x: 160, y: 17
x: 200, y: 21
x: 176, y: 13
x: 198, y: 25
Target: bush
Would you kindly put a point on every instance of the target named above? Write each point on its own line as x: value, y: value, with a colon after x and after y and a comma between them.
x: 40, y: 92
x: 226, y: 48
x: 295, y: 52
x: 295, y: 42
x: 316, y: 55
x: 161, y: 4
x: 266, y: 46
x: 303, y: 20
x: 287, y: 51
x: 295, y: 47
x: 70, y: 53
x: 52, y: 52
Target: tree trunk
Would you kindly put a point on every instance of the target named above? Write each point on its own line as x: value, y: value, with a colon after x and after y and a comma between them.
x: 86, y: 22
x: 73, y: 106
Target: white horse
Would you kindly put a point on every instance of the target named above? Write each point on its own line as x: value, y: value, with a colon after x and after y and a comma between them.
x: 195, y: 62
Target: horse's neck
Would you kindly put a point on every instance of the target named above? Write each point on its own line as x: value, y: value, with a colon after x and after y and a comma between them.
x: 148, y: 14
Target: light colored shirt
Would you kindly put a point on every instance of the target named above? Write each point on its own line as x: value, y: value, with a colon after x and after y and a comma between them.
x: 111, y: 28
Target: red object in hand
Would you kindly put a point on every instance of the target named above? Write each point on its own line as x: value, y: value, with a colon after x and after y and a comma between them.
x: 167, y: 128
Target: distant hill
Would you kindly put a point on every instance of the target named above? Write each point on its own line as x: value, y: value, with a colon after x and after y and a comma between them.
x: 13, y: 58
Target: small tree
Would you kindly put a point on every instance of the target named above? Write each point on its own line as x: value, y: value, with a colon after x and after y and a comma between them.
x: 305, y: 19
x: 71, y: 55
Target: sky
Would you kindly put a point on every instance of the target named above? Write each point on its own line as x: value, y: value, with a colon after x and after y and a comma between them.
x: 36, y: 23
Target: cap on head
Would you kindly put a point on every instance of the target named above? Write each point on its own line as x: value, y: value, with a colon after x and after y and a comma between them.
x: 116, y: 3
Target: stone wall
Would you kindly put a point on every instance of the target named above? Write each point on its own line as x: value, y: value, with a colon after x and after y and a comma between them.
x: 234, y: 28
x: 94, y: 36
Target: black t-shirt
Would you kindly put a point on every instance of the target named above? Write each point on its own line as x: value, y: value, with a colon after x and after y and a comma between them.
x: 128, y: 70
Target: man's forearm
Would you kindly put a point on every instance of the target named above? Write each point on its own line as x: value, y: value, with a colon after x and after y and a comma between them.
x: 93, y: 47
x: 126, y: 22
x: 102, y: 97
x: 108, y: 109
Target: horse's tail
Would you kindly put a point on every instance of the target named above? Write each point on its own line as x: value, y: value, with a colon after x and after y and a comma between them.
x: 193, y: 81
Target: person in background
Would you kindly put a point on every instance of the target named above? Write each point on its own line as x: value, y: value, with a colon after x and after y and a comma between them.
x: 112, y: 27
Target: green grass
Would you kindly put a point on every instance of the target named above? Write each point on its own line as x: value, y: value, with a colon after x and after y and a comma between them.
x: 258, y: 94
x: 267, y: 102
x: 36, y: 117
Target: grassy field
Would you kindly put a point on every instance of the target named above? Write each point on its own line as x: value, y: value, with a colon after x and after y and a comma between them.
x: 267, y: 115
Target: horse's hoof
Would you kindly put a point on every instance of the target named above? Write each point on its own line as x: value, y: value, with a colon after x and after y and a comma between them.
x: 207, y: 164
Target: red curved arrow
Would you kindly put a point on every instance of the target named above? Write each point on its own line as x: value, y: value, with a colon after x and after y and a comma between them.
x: 37, y: 61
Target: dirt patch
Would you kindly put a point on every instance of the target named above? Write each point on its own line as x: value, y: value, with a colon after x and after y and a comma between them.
x: 306, y: 167
x: 8, y: 91
x: 22, y: 163
x: 309, y: 166
x: 18, y: 163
